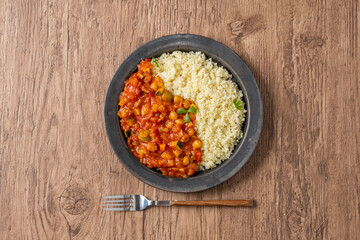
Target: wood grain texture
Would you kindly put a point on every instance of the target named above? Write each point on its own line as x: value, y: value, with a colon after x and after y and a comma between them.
x: 57, y: 59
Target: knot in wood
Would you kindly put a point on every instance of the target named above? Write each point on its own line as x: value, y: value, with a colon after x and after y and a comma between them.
x: 74, y: 200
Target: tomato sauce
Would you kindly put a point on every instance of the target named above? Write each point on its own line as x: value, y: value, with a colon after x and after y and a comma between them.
x: 159, y: 127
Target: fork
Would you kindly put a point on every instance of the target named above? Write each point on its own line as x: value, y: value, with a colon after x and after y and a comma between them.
x: 140, y: 203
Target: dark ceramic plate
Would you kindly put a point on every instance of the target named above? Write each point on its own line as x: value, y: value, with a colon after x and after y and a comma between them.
x: 241, y: 76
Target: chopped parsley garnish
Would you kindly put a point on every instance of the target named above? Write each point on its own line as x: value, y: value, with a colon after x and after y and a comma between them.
x: 181, y: 111
x: 192, y: 110
x: 238, y: 104
x: 187, y: 118
x: 155, y: 60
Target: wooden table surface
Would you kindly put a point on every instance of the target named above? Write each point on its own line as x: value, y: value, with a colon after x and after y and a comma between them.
x: 57, y: 59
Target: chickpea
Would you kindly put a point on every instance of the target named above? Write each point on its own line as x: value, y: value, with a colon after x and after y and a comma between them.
x: 152, y: 135
x: 144, y: 135
x: 177, y: 99
x: 191, y: 131
x: 146, y: 70
x: 167, y: 96
x: 143, y: 152
x: 167, y: 155
x: 145, y: 89
x: 161, y: 108
x: 148, y: 78
x: 130, y: 121
x: 159, y: 81
x: 122, y: 102
x: 140, y: 75
x: 164, y: 137
x: 160, y: 91
x: 177, y: 152
x: 173, y: 115
x: 148, y: 125
x: 179, y: 121
x: 145, y: 110
x: 178, y: 162
x: 153, y: 129
x: 193, y: 166
x: 170, y: 163
x: 190, y: 124
x: 176, y: 129
x: 197, y: 144
x: 137, y: 111
x: 173, y: 144
x: 124, y: 113
x: 151, y: 147
x: 162, y: 147
x: 169, y: 124
x: 162, y: 116
x: 191, y: 172
x: 185, y: 138
x: 154, y: 86
x: 186, y: 161
x: 186, y: 104
x: 154, y: 108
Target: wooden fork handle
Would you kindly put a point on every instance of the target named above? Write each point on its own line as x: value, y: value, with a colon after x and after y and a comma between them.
x: 230, y: 203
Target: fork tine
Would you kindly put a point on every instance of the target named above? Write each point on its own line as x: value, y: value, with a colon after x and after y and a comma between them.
x: 117, y: 209
x: 119, y: 201
x: 120, y: 196
x: 119, y: 205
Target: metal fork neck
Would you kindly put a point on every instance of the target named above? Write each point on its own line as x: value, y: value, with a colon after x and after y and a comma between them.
x: 160, y: 203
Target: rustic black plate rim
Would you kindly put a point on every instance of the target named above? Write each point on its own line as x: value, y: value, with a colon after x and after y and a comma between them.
x: 241, y: 75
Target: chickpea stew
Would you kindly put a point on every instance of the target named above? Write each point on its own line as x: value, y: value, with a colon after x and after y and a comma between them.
x: 159, y: 127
